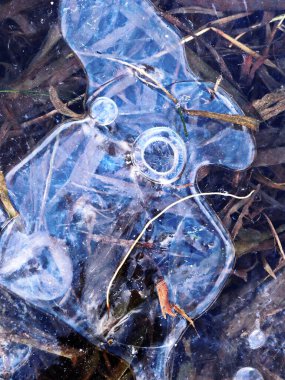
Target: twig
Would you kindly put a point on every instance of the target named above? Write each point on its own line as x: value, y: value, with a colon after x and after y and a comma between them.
x: 268, y: 182
x: 213, y: 91
x: 61, y: 107
x: 245, y: 48
x: 51, y: 113
x: 243, y: 214
x: 246, y: 121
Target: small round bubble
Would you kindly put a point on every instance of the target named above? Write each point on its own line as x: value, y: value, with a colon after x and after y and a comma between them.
x: 256, y: 339
x: 248, y: 373
x: 104, y: 111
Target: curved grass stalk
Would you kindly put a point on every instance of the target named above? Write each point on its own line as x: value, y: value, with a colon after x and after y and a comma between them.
x: 153, y: 220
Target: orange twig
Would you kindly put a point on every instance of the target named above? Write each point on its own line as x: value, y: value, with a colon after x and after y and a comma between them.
x: 162, y: 291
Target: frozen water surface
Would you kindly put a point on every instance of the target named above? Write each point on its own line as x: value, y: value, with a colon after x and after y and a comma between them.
x: 87, y: 191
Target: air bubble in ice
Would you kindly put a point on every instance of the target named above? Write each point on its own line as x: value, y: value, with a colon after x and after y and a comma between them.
x: 248, y: 373
x: 104, y: 111
x: 160, y: 154
x: 183, y: 101
x: 256, y: 339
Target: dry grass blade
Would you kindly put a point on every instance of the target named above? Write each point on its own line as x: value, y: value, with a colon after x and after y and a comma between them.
x: 153, y: 220
x: 186, y: 39
x: 276, y: 237
x: 268, y: 268
x: 259, y: 25
x: 245, y: 48
x: 187, y: 10
x: 245, y: 121
x: 50, y: 114
x: 59, y: 350
x: 4, y: 198
x: 62, y: 107
x: 243, y: 214
x: 231, y: 18
x: 268, y: 182
x: 280, y: 266
x: 207, y: 27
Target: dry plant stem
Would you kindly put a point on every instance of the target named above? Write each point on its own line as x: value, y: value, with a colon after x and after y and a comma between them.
x: 217, y: 84
x: 187, y: 10
x: 276, y: 237
x: 271, y: 104
x: 233, y: 41
x: 63, y: 351
x: 4, y: 198
x: 202, y: 30
x: 275, y: 270
x: 219, y: 59
x: 246, y: 121
x: 207, y: 26
x: 51, y: 113
x: 153, y: 220
x: 259, y: 25
x: 61, y: 107
x: 143, y: 72
x: 259, y: 62
x: 268, y: 182
x: 243, y: 214
x: 245, y: 48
